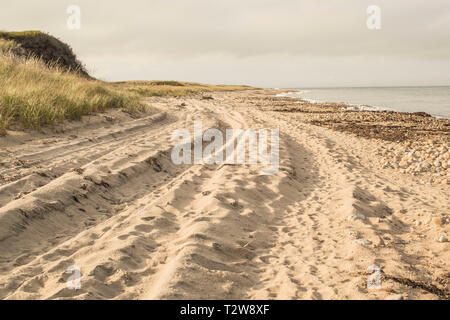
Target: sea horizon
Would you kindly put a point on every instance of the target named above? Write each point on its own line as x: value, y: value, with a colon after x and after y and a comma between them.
x: 434, y: 100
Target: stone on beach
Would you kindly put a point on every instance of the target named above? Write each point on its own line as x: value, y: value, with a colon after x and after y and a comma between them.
x: 358, y: 216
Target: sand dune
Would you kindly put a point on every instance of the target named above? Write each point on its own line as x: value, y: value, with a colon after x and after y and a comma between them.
x: 106, y: 197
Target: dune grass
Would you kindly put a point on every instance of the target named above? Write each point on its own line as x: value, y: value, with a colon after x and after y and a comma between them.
x: 34, y: 94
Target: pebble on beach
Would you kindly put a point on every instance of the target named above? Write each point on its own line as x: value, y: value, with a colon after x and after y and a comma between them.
x: 358, y: 216
x: 438, y: 222
x: 216, y: 246
x: 363, y: 242
x: 430, y: 160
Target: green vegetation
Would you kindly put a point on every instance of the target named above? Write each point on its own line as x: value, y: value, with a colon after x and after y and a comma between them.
x: 42, y: 83
x: 35, y: 94
x: 172, y: 88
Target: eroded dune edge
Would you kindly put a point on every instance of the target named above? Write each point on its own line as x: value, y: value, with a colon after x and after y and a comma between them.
x: 106, y: 197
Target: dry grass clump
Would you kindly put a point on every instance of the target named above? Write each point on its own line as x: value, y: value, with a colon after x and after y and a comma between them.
x: 7, y: 46
x: 34, y: 93
x: 42, y: 83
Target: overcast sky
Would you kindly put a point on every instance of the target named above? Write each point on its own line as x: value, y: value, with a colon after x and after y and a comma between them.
x: 270, y: 43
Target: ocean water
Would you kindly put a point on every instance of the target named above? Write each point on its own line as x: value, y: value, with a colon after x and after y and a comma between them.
x: 432, y: 100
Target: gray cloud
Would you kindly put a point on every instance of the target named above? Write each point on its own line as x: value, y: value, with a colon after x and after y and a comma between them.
x: 260, y: 42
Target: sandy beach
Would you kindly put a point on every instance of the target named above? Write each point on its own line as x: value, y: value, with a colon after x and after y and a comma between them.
x: 358, y: 194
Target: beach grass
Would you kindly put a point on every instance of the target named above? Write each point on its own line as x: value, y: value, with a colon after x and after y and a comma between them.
x: 43, y: 83
x: 35, y: 93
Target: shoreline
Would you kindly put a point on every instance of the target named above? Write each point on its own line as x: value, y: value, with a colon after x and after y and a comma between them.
x: 440, y: 126
x: 410, y: 142
x: 352, y: 106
